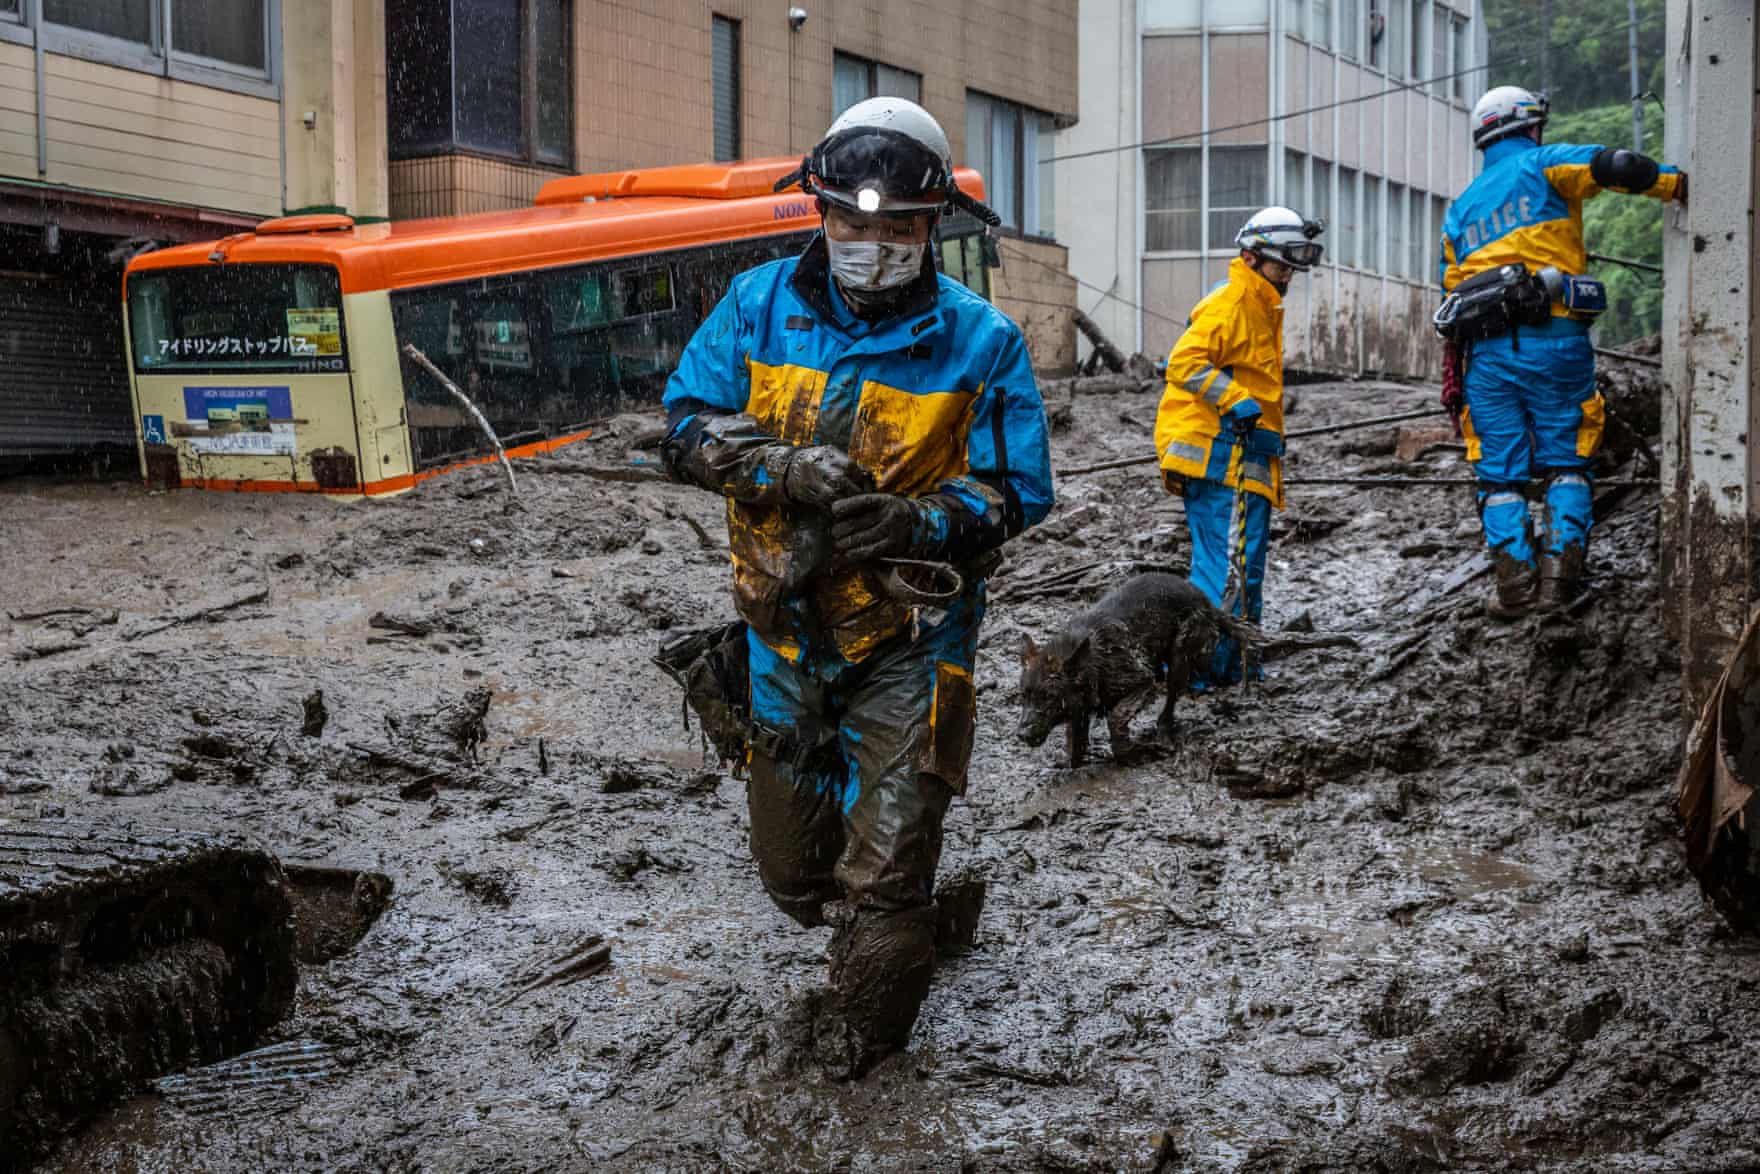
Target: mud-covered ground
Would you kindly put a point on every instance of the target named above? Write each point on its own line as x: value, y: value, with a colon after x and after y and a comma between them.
x: 1417, y: 905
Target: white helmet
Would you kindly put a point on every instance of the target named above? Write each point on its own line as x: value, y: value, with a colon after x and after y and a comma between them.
x: 884, y: 155
x: 1283, y: 235
x: 1505, y: 111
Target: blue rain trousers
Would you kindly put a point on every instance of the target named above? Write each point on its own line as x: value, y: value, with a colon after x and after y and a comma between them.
x: 1209, y: 509
x: 1533, y: 411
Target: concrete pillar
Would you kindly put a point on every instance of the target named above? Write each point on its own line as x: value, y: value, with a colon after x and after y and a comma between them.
x: 1709, y: 465
x: 333, y: 69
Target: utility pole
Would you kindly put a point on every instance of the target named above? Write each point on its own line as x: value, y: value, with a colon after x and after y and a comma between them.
x: 1545, y: 46
x: 1632, y: 63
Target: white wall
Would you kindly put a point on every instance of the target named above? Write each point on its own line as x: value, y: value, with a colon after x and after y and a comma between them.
x: 1098, y: 198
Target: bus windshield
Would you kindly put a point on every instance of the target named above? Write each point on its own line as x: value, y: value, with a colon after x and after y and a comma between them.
x: 239, y: 317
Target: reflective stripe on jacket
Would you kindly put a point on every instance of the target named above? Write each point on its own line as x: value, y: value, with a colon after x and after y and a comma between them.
x: 1232, y: 349
x: 1527, y: 207
x: 939, y: 400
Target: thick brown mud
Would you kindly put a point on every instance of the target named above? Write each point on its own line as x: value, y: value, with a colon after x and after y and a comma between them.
x: 1416, y: 905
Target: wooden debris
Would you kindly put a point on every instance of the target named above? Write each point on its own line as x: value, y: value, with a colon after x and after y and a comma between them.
x: 584, y: 960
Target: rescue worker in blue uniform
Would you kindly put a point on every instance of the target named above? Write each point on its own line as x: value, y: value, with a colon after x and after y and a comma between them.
x: 1219, y: 430
x: 857, y: 408
x: 1531, y: 406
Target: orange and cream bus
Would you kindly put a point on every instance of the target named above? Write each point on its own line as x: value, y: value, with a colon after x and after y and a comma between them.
x: 272, y: 359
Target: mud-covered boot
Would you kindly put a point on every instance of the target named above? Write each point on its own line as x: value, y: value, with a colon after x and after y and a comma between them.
x: 1518, y: 588
x: 959, y: 902
x: 881, y: 964
x: 1561, y: 577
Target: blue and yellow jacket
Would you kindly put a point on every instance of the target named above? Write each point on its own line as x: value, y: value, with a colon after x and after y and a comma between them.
x: 1232, y: 349
x: 937, y: 403
x: 1527, y: 206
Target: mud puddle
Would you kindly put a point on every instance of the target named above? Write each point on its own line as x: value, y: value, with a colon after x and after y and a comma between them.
x: 1415, y: 905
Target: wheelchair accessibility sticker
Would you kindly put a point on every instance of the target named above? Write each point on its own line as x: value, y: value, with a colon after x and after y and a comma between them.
x: 153, y: 429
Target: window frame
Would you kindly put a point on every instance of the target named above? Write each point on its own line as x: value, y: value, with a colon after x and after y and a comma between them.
x: 871, y: 67
x: 734, y: 26
x: 151, y: 56
x: 1027, y: 121
x: 529, y: 154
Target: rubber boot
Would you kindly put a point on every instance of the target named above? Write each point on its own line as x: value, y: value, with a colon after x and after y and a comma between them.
x: 1561, y: 577
x: 1518, y: 588
x: 881, y: 964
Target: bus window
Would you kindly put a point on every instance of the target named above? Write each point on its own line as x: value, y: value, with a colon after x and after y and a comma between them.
x: 546, y: 352
x: 222, y: 318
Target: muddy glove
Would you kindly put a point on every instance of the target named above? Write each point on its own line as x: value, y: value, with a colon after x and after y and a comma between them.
x: 876, y: 525
x: 1243, y: 417
x: 822, y: 475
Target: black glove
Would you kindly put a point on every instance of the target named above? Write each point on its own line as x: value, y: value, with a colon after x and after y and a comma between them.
x: 874, y: 525
x: 822, y: 475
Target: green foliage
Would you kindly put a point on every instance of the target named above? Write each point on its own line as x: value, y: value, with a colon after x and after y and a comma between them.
x: 1619, y: 225
x: 1586, y: 64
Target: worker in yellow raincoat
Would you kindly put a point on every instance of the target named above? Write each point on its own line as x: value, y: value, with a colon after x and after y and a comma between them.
x: 1219, y: 431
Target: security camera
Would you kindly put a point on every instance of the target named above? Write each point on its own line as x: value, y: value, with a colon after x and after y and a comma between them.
x: 796, y: 18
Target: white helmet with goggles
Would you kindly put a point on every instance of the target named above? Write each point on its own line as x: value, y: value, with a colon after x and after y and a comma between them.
x: 1505, y: 111
x: 1283, y: 235
x: 885, y: 156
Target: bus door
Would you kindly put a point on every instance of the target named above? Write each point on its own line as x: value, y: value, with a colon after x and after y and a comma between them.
x: 241, y: 377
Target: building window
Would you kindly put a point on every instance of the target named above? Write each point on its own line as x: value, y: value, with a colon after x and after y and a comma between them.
x: 1321, y: 206
x: 1350, y: 29
x: 1461, y: 59
x: 493, y: 76
x: 1439, y: 51
x: 1415, y: 62
x: 855, y: 79
x: 1011, y: 146
x: 1396, y: 230
x: 1438, y: 213
x: 126, y: 20
x: 725, y: 82
x: 12, y: 10
x: 1383, y: 37
x: 1418, y: 237
x: 1174, y: 193
x: 1372, y: 192
x: 222, y: 43
x: 1348, y: 236
x: 1295, y: 177
x: 1187, y: 14
x: 1320, y: 23
x: 1237, y: 190
x: 229, y: 31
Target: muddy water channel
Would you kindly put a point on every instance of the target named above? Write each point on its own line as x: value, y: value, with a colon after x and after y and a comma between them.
x: 1412, y: 905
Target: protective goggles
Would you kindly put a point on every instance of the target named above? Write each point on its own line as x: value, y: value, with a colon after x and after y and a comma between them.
x: 1305, y: 255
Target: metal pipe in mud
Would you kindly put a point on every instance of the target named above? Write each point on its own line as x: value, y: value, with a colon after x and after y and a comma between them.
x: 416, y: 356
x: 1323, y: 430
x: 1640, y: 360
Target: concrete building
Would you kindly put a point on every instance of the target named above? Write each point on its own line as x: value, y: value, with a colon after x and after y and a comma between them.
x: 489, y: 100
x: 140, y: 121
x: 1195, y: 113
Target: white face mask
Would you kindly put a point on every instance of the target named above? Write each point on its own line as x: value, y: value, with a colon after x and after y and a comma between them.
x: 874, y: 265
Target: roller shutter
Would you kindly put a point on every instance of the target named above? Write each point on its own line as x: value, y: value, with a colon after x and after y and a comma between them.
x: 63, y: 379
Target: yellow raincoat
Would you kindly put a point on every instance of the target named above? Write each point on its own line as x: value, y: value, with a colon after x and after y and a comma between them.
x: 1232, y: 349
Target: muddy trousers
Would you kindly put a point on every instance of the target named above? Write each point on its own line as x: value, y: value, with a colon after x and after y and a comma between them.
x: 1209, y: 512
x: 1532, y: 410
x: 858, y: 820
